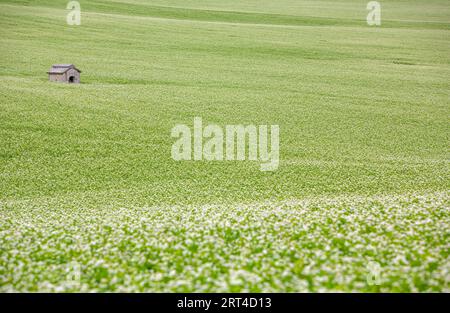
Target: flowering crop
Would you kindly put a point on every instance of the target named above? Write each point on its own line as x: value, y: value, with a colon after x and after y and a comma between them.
x: 308, y: 245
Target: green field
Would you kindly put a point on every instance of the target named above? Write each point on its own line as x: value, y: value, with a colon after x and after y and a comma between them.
x: 87, y: 178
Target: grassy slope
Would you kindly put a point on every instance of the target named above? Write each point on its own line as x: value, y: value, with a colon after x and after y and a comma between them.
x: 362, y: 110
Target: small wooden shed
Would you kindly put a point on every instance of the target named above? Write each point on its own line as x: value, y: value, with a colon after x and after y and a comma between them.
x: 65, y: 73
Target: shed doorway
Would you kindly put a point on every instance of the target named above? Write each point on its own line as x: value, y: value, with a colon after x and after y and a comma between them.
x: 71, y: 79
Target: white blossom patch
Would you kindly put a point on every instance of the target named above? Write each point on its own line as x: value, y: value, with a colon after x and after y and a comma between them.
x: 294, y: 246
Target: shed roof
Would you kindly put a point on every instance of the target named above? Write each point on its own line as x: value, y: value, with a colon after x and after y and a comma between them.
x: 61, y: 68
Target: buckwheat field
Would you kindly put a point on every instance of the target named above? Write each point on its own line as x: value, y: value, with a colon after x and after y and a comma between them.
x: 92, y: 200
